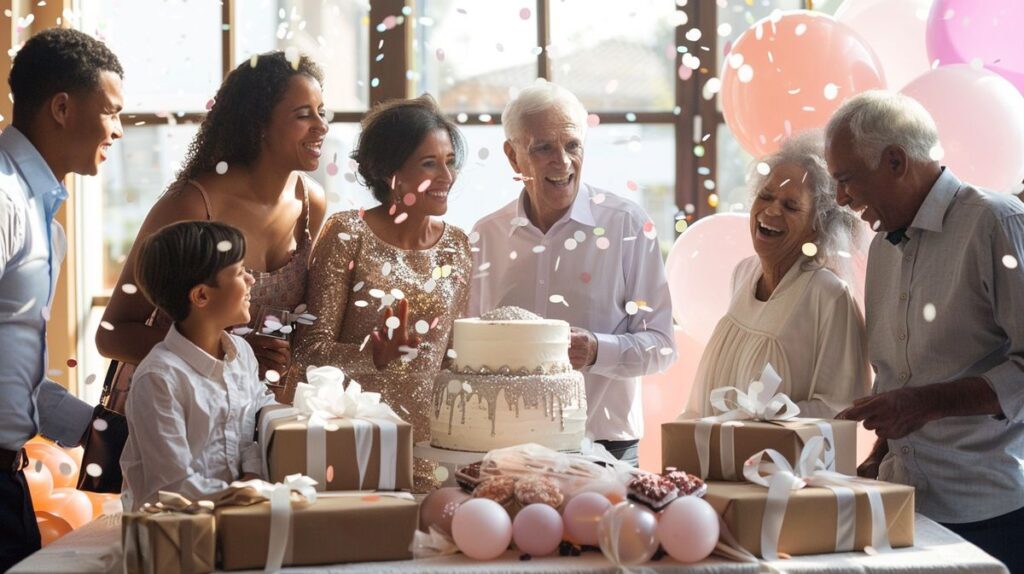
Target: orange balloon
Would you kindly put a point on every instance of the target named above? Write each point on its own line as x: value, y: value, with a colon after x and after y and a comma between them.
x: 63, y: 468
x: 70, y: 504
x: 40, y: 481
x: 787, y: 74
x: 664, y: 397
x: 38, y: 439
x: 97, y: 499
x: 51, y: 527
x: 76, y: 454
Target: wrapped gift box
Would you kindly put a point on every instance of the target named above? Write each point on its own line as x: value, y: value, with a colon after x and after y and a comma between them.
x: 168, y: 543
x: 288, y: 453
x: 679, y: 441
x: 811, y: 522
x: 337, y: 528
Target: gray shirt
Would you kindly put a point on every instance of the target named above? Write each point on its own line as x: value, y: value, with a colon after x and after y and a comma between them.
x: 944, y: 304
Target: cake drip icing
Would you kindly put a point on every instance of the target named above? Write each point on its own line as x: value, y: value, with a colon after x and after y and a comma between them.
x: 520, y: 372
x: 550, y: 392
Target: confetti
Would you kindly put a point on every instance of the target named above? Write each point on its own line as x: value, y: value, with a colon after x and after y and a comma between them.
x: 131, y: 289
x: 441, y: 473
x: 524, y: 13
x: 603, y: 243
x: 397, y: 294
x: 681, y: 225
x: 440, y: 54
x: 936, y: 153
x: 484, y: 153
x: 401, y: 217
x: 451, y: 354
x: 392, y: 322
x: 107, y: 325
x: 332, y: 169
x: 273, y: 376
x: 745, y: 74
x: 100, y: 425
x: 556, y: 299
x: 422, y: 327
x: 446, y: 270
x: 424, y: 185
x: 593, y: 120
x: 929, y: 312
x: 570, y: 244
x: 763, y: 168
x: 221, y: 168
x: 385, y: 269
x: 94, y: 470
x: 632, y: 308
x: 430, y: 285
x: 809, y: 249
x: 665, y: 351
x: 454, y: 387
x: 355, y: 289
x: 585, y: 277
x: 223, y: 246
x: 409, y: 199
x: 65, y: 469
x: 90, y: 380
x: 831, y: 91
x: 72, y: 363
x: 329, y: 475
x: 474, y: 237
x: 599, y: 231
x: 513, y: 255
x: 579, y: 236
x: 377, y: 293
x: 1009, y: 261
x: 539, y: 248
x: 598, y: 199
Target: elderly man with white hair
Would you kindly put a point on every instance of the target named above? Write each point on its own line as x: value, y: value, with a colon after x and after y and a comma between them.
x: 945, y: 322
x: 566, y: 250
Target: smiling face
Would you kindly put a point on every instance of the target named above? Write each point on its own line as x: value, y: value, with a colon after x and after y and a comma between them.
x: 92, y: 123
x: 295, y: 134
x: 422, y: 184
x: 866, y: 191
x: 228, y: 302
x: 782, y: 216
x: 549, y: 156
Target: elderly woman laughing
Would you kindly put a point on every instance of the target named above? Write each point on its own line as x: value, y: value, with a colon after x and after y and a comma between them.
x: 789, y: 308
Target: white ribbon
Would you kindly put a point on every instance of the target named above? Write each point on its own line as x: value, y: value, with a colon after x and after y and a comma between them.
x: 760, y: 402
x: 323, y: 397
x: 781, y: 479
x: 279, y: 549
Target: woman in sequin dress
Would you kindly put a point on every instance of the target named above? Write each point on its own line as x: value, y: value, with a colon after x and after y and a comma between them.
x: 243, y: 168
x: 387, y: 284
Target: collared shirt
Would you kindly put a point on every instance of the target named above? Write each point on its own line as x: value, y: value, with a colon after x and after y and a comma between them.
x: 191, y: 420
x: 947, y: 303
x: 32, y: 247
x: 598, y: 268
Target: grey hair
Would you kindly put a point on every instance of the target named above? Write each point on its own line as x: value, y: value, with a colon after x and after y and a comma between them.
x: 878, y: 119
x: 835, y: 224
x: 537, y: 98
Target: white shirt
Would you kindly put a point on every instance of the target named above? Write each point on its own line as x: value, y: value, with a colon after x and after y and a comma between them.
x: 811, y: 331
x: 965, y: 469
x: 598, y: 268
x: 32, y: 248
x: 191, y: 420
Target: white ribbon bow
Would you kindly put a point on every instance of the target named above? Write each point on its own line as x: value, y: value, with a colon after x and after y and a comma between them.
x: 782, y: 479
x: 760, y: 402
x: 281, y: 500
x: 323, y: 397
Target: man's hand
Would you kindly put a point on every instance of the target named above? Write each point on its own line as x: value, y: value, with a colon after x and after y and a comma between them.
x: 582, y: 348
x: 271, y: 353
x: 893, y: 414
x: 869, y: 468
x: 387, y: 349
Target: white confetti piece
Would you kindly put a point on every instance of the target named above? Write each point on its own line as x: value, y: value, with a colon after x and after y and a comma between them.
x: 273, y: 376
x: 397, y: 294
x: 221, y: 167
x: 422, y: 327
x: 377, y: 293
x: 809, y: 249
x: 763, y: 168
x: 556, y: 299
x: 100, y: 425
x: 131, y: 289
x: 632, y: 308
x: 94, y: 470
x: 603, y: 243
x: 441, y: 473
x: 570, y: 244
x: 665, y: 351
x: 224, y: 246
x: 355, y: 289
x: 513, y: 255
x: 929, y: 312
x: 474, y: 237
x: 1009, y: 261
x: 344, y: 236
x: 430, y: 285
x: 745, y: 74
x: 451, y: 354
x: 579, y: 236
x: 392, y: 322
x: 454, y: 387
x: 107, y: 325
x: 831, y: 91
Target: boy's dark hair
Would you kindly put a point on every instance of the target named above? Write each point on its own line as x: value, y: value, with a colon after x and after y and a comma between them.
x: 54, y: 61
x: 233, y: 129
x: 391, y: 133
x: 182, y: 255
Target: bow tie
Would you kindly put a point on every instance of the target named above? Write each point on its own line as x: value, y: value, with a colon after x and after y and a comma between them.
x: 896, y: 237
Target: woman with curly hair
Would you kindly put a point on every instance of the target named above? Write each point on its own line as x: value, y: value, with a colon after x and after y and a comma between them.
x: 266, y: 127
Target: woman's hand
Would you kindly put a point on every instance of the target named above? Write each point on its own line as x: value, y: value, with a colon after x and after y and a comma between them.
x: 271, y: 353
x: 387, y: 349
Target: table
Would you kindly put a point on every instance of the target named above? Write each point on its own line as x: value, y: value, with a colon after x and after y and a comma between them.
x: 96, y: 548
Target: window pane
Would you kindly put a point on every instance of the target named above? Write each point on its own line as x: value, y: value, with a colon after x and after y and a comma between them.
x: 335, y: 33
x: 615, y: 55
x: 733, y: 166
x: 139, y: 168
x: 174, y: 66
x: 468, y: 54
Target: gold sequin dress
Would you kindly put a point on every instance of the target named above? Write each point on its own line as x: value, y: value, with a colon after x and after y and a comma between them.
x: 353, y: 275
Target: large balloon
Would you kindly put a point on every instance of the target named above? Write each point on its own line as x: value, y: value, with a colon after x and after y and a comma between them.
x: 70, y: 504
x: 894, y: 31
x: 699, y: 268
x: 962, y: 31
x: 62, y: 466
x: 788, y: 72
x: 40, y: 481
x: 665, y: 395
x: 51, y: 527
x: 980, y: 117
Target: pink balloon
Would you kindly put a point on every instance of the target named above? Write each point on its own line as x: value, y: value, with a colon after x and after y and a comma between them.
x: 699, y: 268
x: 980, y: 117
x: 960, y: 31
x: 688, y: 529
x: 628, y: 534
x: 537, y: 529
x: 787, y: 74
x: 894, y: 31
x: 482, y: 529
x: 438, y: 508
x: 665, y: 395
x: 582, y: 514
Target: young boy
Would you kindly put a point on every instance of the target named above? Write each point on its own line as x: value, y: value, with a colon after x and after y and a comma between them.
x: 192, y: 408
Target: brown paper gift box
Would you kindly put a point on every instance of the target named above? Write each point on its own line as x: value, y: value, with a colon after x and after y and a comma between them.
x: 286, y: 454
x: 679, y: 449
x: 168, y: 543
x: 333, y: 530
x: 810, y: 522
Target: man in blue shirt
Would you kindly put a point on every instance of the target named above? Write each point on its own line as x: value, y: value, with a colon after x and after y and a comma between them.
x: 67, y: 100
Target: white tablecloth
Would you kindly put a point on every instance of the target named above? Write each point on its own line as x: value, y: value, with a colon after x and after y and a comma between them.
x: 96, y: 548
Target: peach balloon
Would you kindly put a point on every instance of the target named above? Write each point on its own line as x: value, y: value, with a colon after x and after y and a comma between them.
x: 582, y: 515
x: 787, y: 73
x: 40, y: 481
x: 51, y: 527
x: 98, y: 499
x: 63, y: 468
x: 665, y: 395
x: 75, y: 454
x: 688, y: 529
x: 70, y: 504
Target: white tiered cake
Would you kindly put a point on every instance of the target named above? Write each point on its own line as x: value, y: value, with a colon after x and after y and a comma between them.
x: 510, y: 383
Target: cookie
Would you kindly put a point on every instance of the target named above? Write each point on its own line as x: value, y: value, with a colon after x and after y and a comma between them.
x: 468, y: 477
x: 537, y: 489
x: 500, y: 489
x: 653, y: 490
